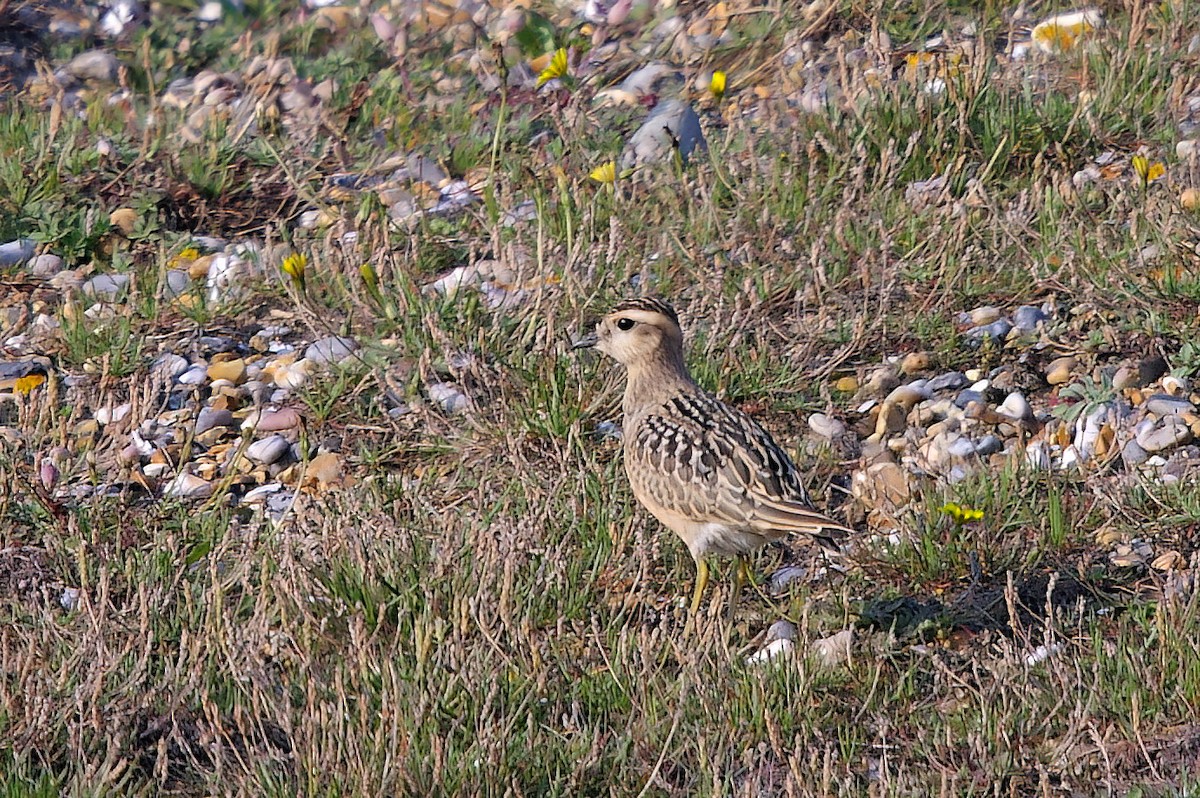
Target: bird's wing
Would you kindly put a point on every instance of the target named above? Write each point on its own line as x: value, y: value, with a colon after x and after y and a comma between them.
x: 715, y: 463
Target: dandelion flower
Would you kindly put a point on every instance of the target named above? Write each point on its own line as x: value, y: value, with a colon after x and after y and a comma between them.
x: 717, y: 84
x: 605, y: 173
x: 557, y: 67
x: 294, y: 266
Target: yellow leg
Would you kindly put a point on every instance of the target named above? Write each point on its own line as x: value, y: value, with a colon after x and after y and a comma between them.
x: 701, y: 581
x: 741, y: 575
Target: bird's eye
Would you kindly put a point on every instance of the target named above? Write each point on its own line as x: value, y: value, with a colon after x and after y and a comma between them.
x: 624, y: 324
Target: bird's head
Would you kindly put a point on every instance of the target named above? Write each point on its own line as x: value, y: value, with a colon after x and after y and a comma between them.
x: 638, y: 331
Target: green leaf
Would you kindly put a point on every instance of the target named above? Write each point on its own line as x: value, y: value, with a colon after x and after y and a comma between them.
x: 537, y: 37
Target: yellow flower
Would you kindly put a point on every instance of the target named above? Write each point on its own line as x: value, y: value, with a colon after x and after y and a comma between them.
x: 367, y: 271
x: 717, y: 84
x: 1141, y: 166
x: 1060, y: 33
x: 185, y: 255
x: 26, y: 384
x: 960, y: 514
x: 557, y: 67
x: 605, y: 173
x: 293, y: 267
x: 1146, y: 170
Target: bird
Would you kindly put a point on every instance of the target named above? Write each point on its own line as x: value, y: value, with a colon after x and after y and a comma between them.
x: 706, y: 470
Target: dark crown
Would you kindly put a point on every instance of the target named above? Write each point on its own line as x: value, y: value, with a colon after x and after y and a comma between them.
x: 650, y: 304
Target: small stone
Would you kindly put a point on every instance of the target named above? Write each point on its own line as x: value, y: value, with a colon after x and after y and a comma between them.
x: 325, y: 469
x: 968, y: 397
x: 1151, y: 369
x: 1174, y: 386
x: 330, y: 350
x: 1037, y: 455
x: 1027, y: 318
x: 14, y: 252
x: 997, y: 330
x: 451, y: 399
x: 1015, y: 407
x: 775, y: 650
x: 98, y: 65
x: 982, y: 316
x: 973, y: 375
x: 1162, y: 404
x: 233, y: 370
x: 905, y: 396
x: 268, y: 450
x: 961, y: 448
x: 916, y: 362
x: 947, y: 382
x: 881, y: 381
x: 989, y: 445
x: 124, y: 219
x: 211, y: 418
x: 1168, y: 561
x: 827, y: 427
x: 781, y: 630
x: 846, y: 384
x: 1125, y: 377
x: 195, y: 375
x: 69, y: 599
x: 272, y: 420
x: 1132, y: 454
x: 890, y: 420
x: 106, y: 287
x: 1168, y: 433
x: 1186, y: 148
x: 188, y: 486
x: 1189, y: 199
x: 45, y: 265
x: 1059, y: 370
x: 833, y: 651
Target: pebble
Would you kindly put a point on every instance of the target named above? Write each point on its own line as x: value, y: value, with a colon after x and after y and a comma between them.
x: 997, y: 330
x: 1015, y: 406
x: 966, y: 397
x: 1058, y: 371
x: 233, y: 371
x: 1037, y: 455
x: 106, y: 286
x: 781, y: 630
x: 846, y: 384
x: 947, y: 382
x: 45, y: 265
x: 330, y: 350
x: 1174, y: 386
x: 833, y: 651
x: 989, y: 445
x: 268, y: 450
x: 1168, y: 405
x: 1026, y: 318
x: 98, y: 65
x: 881, y: 381
x: 827, y: 427
x: 1168, y: 433
x: 961, y: 447
x: 1132, y: 454
x: 188, y: 486
x: 1151, y: 369
x: 782, y: 579
x: 450, y: 398
x: 775, y: 650
x: 272, y: 420
x: 916, y: 362
x: 672, y: 126
x: 982, y: 316
x: 904, y: 396
x: 69, y: 599
x: 195, y: 375
x: 211, y: 418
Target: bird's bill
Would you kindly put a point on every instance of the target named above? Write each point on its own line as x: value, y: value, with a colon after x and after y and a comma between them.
x: 587, y: 341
